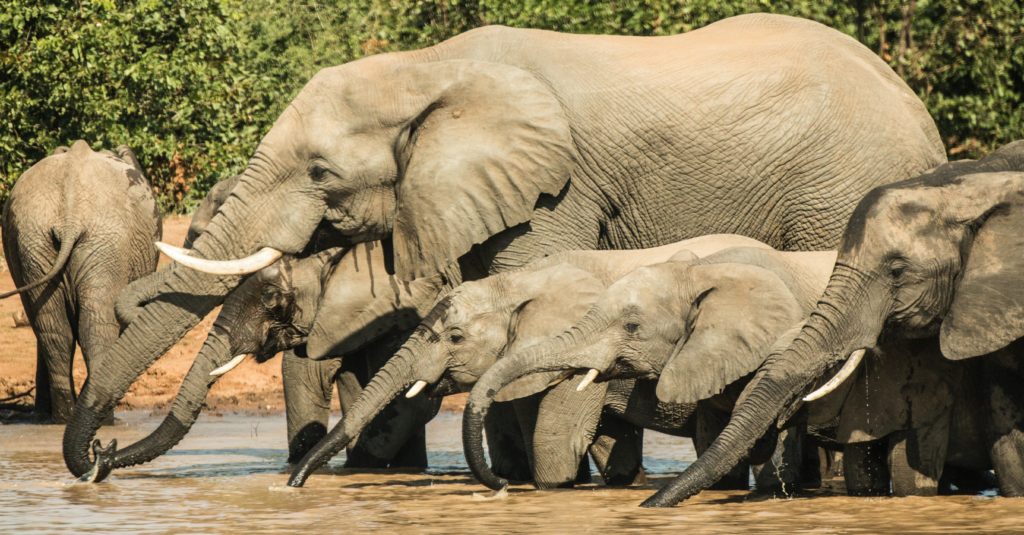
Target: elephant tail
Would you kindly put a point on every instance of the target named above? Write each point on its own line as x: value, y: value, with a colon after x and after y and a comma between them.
x: 67, y: 238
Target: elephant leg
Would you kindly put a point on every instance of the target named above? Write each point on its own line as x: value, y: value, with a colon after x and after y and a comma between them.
x: 781, y: 473
x: 566, y: 423
x: 865, y: 469
x: 966, y: 480
x: 55, y: 347
x: 307, y: 399
x: 916, y: 459
x: 1006, y: 405
x: 618, y: 450
x: 710, y: 423
x: 505, y: 443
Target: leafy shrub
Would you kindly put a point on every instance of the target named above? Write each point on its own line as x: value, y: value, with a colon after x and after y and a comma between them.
x: 192, y: 85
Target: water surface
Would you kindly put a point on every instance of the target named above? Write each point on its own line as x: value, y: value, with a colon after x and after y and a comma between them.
x: 228, y: 475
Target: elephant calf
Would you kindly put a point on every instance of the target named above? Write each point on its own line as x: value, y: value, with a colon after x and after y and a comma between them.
x: 79, y: 226
x: 697, y: 327
x: 476, y: 323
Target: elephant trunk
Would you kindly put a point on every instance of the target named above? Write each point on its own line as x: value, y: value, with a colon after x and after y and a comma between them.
x: 186, y: 296
x: 386, y: 385
x: 186, y: 407
x: 556, y: 355
x: 775, y: 389
x: 136, y: 295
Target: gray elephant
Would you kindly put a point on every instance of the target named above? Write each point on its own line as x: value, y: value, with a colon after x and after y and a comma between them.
x: 78, y: 227
x: 697, y: 327
x: 273, y: 311
x: 935, y: 260
x: 502, y: 145
x: 479, y: 321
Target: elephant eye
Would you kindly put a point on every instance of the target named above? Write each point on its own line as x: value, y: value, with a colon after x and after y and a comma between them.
x: 456, y: 338
x: 897, y: 271
x: 631, y: 327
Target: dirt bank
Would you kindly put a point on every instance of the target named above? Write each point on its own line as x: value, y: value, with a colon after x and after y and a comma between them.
x: 251, y: 387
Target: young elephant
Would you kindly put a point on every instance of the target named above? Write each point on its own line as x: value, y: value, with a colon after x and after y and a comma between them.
x: 939, y: 256
x: 78, y: 227
x: 274, y: 311
x: 470, y: 329
x: 696, y: 327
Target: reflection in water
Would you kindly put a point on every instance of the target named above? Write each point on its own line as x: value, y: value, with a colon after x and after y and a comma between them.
x: 229, y: 474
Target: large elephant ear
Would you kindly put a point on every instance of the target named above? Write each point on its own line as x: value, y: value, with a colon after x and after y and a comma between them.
x: 988, y: 306
x: 490, y: 139
x: 732, y: 325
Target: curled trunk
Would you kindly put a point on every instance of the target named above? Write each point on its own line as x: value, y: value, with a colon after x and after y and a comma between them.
x: 547, y: 357
x: 385, y: 386
x: 137, y: 295
x: 186, y: 407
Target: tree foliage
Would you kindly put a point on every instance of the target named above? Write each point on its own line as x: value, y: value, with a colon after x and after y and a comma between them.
x: 192, y: 85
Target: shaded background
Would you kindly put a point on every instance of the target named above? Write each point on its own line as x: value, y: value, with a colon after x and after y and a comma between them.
x: 192, y: 85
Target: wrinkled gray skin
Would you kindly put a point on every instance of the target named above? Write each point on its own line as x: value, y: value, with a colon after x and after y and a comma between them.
x: 274, y: 311
x: 481, y: 320
x: 697, y: 327
x: 936, y: 256
x: 527, y: 142
x: 78, y: 227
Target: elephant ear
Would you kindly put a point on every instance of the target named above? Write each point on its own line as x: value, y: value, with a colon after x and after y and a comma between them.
x: 987, y: 312
x: 543, y: 319
x: 487, y: 141
x: 731, y: 326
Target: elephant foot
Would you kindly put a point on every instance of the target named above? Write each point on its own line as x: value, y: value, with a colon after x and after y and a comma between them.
x: 103, y: 462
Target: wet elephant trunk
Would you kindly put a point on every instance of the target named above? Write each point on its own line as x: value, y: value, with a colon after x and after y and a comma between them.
x: 548, y: 357
x: 187, y: 404
x: 385, y: 386
x: 775, y: 388
x: 185, y: 298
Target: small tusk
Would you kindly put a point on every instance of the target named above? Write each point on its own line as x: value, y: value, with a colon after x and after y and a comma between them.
x: 844, y: 373
x: 242, y: 266
x: 587, y: 379
x: 417, y: 387
x: 229, y: 366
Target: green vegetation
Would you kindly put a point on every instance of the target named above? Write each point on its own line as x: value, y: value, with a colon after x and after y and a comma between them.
x: 193, y: 84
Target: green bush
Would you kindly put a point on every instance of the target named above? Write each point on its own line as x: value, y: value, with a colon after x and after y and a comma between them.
x: 193, y: 84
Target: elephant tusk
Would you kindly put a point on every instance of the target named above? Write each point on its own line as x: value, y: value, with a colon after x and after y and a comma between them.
x: 844, y: 373
x: 229, y: 366
x: 242, y: 266
x: 587, y: 379
x: 417, y: 387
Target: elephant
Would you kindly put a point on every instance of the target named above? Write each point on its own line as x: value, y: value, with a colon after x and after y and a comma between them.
x: 476, y: 323
x: 932, y: 260
x: 696, y: 327
x: 275, y: 310
x: 502, y: 145
x: 79, y: 225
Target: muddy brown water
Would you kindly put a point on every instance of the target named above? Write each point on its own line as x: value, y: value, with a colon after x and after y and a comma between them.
x: 228, y: 476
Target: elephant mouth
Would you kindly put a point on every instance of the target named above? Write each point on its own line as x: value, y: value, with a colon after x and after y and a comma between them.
x: 445, y: 386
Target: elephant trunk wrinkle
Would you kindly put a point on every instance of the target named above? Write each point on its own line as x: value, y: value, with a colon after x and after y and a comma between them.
x: 385, y: 386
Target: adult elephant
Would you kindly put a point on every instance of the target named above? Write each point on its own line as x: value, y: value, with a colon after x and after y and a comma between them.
x: 78, y: 228
x: 511, y: 144
x: 939, y: 255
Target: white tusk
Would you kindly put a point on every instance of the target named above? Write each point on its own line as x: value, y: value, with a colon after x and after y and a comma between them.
x: 242, y: 266
x: 587, y: 379
x: 417, y: 387
x: 844, y: 373
x: 229, y: 366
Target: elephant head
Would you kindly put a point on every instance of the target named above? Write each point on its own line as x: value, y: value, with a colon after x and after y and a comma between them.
x: 208, y: 208
x: 465, y: 333
x: 435, y: 155
x: 693, y: 327
x: 939, y: 254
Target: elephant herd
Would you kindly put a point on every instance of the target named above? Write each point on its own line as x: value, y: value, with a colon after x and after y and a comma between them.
x: 747, y: 234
